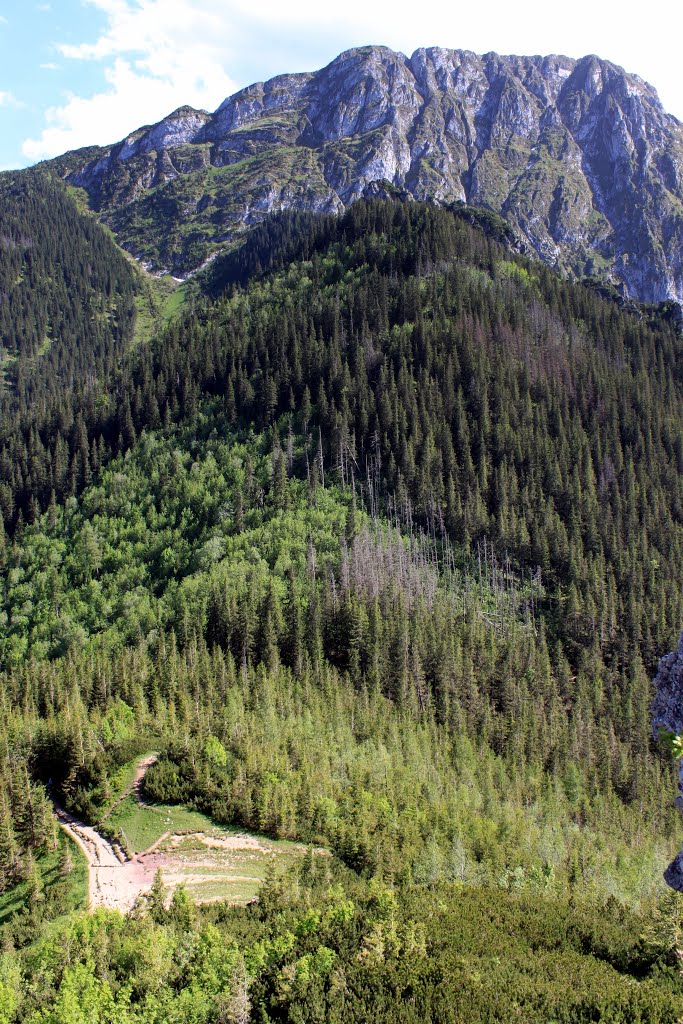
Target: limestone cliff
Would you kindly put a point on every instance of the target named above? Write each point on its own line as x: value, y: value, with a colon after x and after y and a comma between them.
x: 667, y: 713
x: 578, y: 156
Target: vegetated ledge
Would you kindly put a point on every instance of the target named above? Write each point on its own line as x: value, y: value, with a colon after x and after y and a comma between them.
x: 667, y: 716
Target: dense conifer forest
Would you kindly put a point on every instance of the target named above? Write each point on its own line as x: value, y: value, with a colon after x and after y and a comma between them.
x: 67, y: 314
x: 378, y: 544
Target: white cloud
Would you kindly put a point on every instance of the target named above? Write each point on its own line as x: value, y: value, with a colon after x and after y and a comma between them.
x: 8, y: 99
x: 3, y: 20
x: 156, y: 55
x: 50, y: 66
x: 131, y: 99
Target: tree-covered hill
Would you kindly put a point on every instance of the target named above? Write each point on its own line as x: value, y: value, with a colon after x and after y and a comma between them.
x: 71, y: 305
x: 430, y: 365
x: 377, y: 544
x: 66, y: 292
x: 307, y: 671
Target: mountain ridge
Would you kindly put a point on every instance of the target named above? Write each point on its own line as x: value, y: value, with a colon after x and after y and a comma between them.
x: 577, y: 155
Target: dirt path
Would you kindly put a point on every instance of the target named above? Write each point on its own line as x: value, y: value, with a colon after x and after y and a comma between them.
x: 114, y: 880
x: 135, y: 785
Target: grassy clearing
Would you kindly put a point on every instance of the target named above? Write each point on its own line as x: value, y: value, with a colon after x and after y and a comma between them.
x: 80, y: 198
x: 145, y: 320
x: 174, y: 300
x: 144, y: 825
x: 156, y: 305
x: 237, y: 890
x: 234, y: 871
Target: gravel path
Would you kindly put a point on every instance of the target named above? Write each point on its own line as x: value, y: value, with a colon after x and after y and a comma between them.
x: 113, y: 880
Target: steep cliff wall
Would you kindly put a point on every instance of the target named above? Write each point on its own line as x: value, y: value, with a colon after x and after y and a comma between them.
x: 578, y: 156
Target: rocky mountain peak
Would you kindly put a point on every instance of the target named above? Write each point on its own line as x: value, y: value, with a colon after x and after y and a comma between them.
x: 577, y: 155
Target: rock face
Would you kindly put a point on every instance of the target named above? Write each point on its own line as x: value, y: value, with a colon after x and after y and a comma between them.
x: 578, y: 156
x: 667, y: 713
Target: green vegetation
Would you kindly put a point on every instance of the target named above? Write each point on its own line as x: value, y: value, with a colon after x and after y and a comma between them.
x: 67, y: 312
x: 217, y: 863
x: 155, y: 306
x: 142, y: 825
x: 61, y: 278
x: 318, y: 948
x: 123, y: 780
x: 57, y: 883
x: 156, y: 224
x: 377, y: 544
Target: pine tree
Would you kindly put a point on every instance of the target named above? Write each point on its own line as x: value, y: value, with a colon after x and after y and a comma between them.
x: 156, y: 899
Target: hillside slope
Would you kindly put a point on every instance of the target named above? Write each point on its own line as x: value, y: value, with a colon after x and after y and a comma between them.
x: 67, y: 292
x: 376, y: 550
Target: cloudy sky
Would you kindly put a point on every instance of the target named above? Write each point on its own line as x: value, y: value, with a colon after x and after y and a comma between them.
x: 78, y: 72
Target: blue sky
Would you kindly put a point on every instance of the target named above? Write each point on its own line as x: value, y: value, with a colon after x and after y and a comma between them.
x: 77, y: 72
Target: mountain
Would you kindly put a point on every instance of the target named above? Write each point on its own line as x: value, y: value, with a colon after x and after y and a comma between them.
x: 377, y: 551
x: 577, y: 155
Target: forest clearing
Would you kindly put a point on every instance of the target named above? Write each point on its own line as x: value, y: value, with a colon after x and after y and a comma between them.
x: 211, y: 861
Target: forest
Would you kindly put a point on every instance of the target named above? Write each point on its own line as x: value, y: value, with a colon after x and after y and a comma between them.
x: 378, y: 543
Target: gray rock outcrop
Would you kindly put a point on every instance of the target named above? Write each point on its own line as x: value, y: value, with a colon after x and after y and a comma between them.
x: 577, y: 155
x: 667, y: 713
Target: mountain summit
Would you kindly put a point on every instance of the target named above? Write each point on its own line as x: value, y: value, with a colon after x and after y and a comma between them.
x: 577, y: 155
